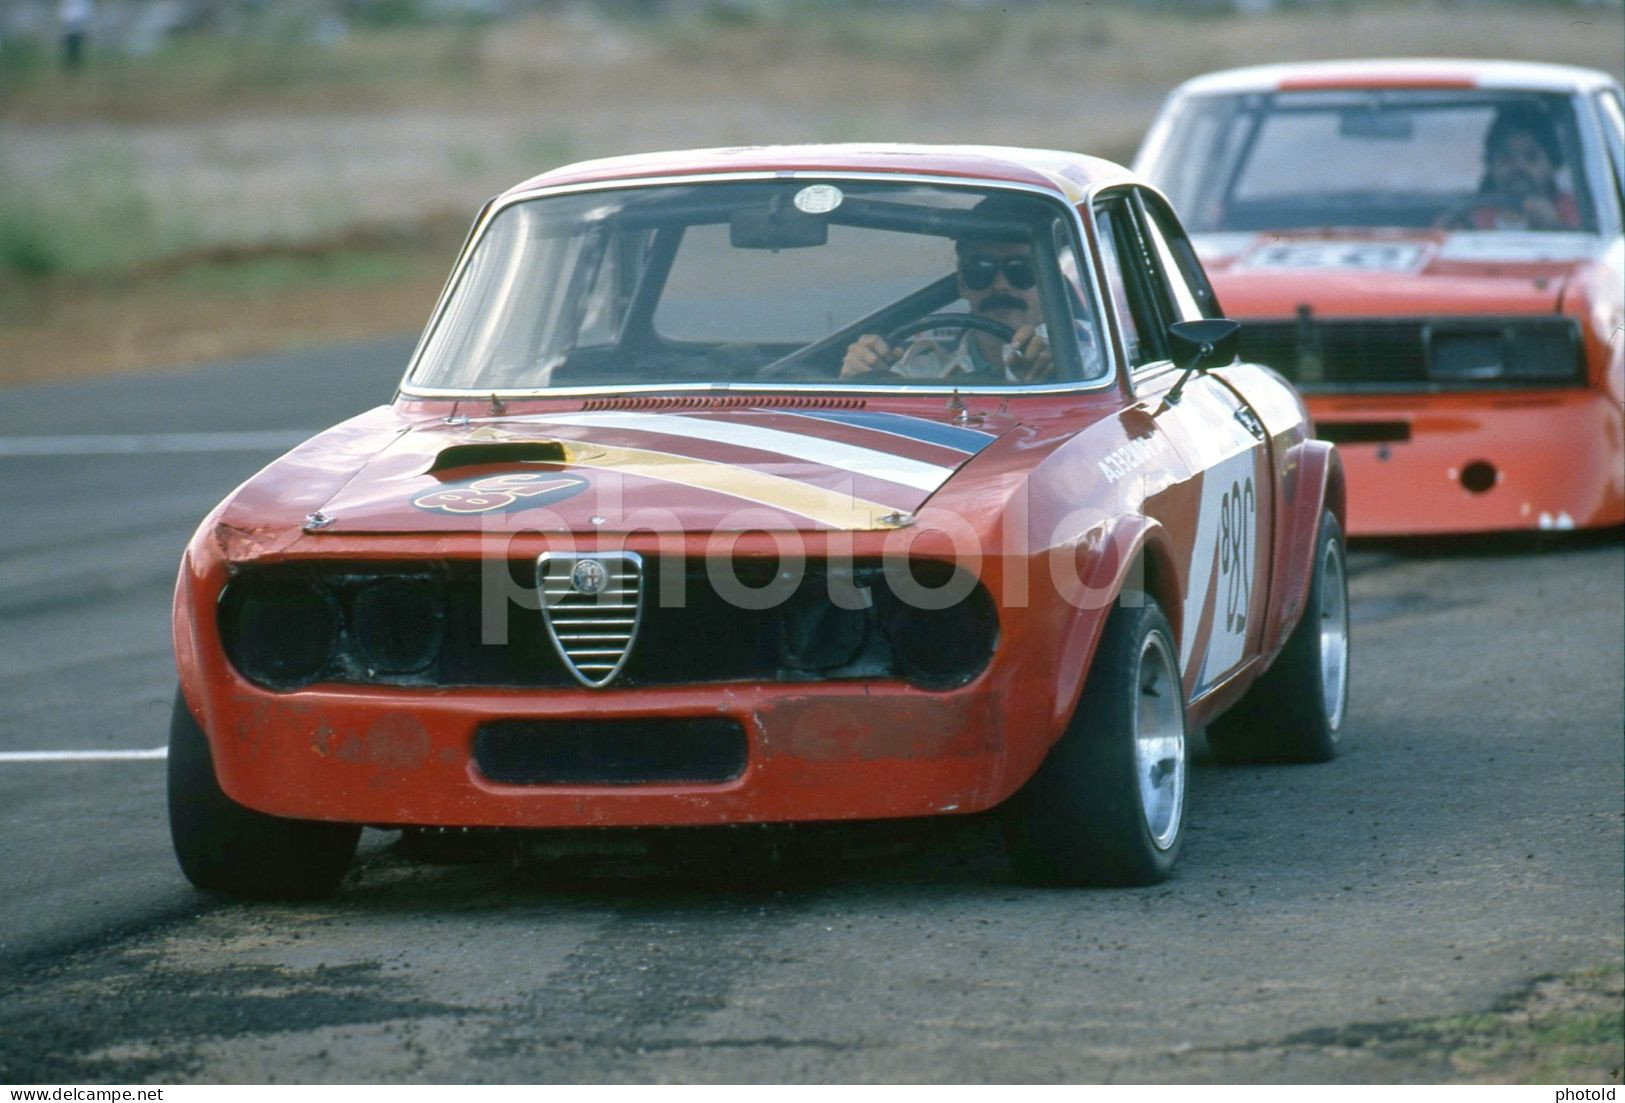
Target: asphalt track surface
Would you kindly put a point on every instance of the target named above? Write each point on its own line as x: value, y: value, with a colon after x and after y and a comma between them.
x: 1467, y: 844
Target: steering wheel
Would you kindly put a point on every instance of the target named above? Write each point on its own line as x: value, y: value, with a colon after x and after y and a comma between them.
x: 950, y: 321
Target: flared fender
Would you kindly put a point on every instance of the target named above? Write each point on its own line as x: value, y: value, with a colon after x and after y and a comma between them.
x: 1133, y: 555
x: 1313, y: 483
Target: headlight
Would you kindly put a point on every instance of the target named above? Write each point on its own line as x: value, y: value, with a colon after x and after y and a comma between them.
x: 942, y: 647
x: 815, y: 633
x: 1534, y: 351
x: 279, y: 632
x: 396, y: 624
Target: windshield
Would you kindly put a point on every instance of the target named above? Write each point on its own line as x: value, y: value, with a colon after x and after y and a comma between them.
x: 1467, y: 159
x: 766, y: 281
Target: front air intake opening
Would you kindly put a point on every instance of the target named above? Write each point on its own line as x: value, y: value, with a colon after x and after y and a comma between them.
x: 1479, y: 476
x: 644, y: 751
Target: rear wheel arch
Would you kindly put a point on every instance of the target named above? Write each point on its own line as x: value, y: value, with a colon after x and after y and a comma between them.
x: 1335, y: 495
x: 1320, y: 487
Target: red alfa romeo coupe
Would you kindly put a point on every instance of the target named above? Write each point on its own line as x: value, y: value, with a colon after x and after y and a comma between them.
x: 775, y: 485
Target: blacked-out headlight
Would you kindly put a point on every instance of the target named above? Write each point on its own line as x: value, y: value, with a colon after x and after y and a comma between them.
x: 1533, y: 351
x: 279, y: 632
x: 396, y: 624
x: 816, y: 634
x: 937, y: 643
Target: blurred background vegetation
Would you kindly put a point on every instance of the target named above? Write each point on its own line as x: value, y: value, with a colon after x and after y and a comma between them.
x: 224, y: 175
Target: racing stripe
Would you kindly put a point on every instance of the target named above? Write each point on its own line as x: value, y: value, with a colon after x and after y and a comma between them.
x: 788, y: 421
x: 829, y: 507
x: 968, y: 441
x: 892, y: 494
x: 847, y: 457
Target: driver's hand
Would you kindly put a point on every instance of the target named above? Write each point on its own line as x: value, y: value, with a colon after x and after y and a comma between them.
x: 869, y: 353
x: 1541, y: 213
x: 1029, y: 358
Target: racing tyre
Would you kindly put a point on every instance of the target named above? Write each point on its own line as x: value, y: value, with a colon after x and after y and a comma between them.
x: 1107, y: 807
x: 1294, y: 712
x: 227, y: 848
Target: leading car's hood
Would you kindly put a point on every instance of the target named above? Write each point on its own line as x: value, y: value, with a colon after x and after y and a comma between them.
x: 624, y: 470
x: 1373, y: 273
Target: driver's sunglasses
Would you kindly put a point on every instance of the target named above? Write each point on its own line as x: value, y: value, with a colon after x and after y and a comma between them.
x: 979, y: 272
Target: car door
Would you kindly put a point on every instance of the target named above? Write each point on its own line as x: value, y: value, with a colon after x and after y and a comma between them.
x: 1221, y: 513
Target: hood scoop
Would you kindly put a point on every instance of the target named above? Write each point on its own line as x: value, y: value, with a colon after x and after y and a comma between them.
x: 486, y: 454
x: 725, y: 402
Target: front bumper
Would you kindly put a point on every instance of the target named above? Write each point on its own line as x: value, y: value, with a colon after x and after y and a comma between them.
x: 844, y: 748
x: 815, y: 752
x: 1465, y: 463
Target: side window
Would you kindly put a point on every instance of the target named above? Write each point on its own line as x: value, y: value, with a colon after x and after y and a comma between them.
x: 1131, y: 279
x: 1186, y: 279
x: 1613, y: 129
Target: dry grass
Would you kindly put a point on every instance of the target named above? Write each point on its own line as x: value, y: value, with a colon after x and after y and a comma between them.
x: 215, y: 311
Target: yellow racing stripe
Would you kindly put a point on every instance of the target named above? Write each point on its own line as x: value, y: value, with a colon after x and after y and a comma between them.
x: 829, y: 507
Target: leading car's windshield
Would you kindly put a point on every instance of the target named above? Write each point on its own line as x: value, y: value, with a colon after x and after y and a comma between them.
x: 1447, y: 159
x: 764, y: 282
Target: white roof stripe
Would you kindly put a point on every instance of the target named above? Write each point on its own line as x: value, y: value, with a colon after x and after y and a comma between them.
x: 1534, y: 76
x: 845, y: 457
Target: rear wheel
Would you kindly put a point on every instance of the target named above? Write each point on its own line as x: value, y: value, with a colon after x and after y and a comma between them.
x: 227, y: 848
x: 1107, y: 807
x: 1294, y: 712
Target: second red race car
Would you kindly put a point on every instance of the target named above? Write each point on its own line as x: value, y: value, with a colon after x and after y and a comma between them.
x: 1432, y: 251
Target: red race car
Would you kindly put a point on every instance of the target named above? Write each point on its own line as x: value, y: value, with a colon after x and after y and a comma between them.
x: 1431, y: 251
x: 775, y: 485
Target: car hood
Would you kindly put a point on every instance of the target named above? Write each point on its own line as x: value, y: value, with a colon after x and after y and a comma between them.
x: 1383, y: 273
x: 682, y: 470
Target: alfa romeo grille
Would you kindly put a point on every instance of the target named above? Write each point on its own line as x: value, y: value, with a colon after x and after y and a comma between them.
x: 592, y: 605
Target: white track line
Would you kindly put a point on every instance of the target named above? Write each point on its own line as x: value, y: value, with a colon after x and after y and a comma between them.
x: 82, y: 756
x: 134, y: 444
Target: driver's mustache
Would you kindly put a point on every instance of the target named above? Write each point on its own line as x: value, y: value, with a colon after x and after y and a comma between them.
x: 1001, y: 302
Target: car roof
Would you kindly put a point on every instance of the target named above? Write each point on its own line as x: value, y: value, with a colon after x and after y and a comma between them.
x: 1068, y: 174
x: 1421, y: 72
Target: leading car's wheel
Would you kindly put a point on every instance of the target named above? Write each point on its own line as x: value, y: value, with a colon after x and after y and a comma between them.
x: 1107, y: 807
x: 1294, y: 712
x: 228, y: 848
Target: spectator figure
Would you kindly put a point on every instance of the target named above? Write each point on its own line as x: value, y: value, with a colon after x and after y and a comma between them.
x: 74, y: 17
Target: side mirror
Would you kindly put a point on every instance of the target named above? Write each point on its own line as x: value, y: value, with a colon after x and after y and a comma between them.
x: 1208, y: 343
x: 1198, y: 346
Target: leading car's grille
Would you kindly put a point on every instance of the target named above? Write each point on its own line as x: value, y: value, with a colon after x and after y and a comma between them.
x: 1415, y: 354
x: 591, y: 605
x: 481, y: 623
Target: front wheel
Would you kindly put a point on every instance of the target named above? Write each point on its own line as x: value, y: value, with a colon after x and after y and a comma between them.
x: 1294, y: 712
x: 1107, y: 807
x: 225, y: 847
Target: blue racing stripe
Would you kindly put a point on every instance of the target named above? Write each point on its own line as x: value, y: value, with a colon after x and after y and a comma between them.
x: 969, y: 441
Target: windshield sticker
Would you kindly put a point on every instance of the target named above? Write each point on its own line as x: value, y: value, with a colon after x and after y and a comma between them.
x: 1364, y: 256
x: 818, y: 199
x: 496, y: 492
x: 1511, y: 247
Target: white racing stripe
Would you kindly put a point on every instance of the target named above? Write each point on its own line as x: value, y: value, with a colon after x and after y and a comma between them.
x: 83, y: 756
x: 133, y: 444
x: 829, y: 453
